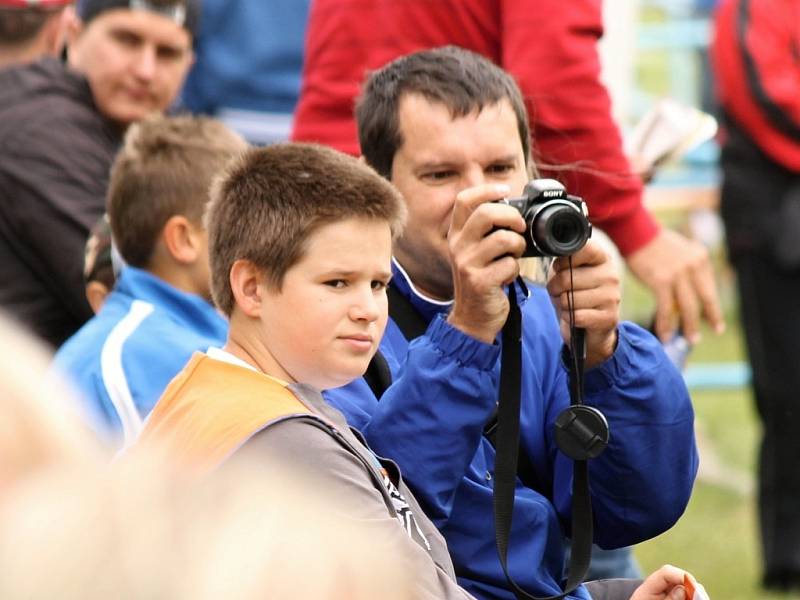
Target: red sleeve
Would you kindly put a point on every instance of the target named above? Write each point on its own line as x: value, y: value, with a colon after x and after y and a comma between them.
x: 550, y: 46
x: 756, y: 53
x: 336, y: 57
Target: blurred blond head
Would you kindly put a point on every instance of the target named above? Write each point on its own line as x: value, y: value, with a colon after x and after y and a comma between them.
x: 75, y: 525
x: 142, y: 531
x: 39, y: 421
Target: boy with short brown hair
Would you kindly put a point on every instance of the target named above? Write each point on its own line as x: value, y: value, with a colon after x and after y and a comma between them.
x: 160, y: 311
x: 300, y: 241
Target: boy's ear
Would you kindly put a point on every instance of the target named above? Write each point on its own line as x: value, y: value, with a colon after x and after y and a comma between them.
x: 182, y: 239
x: 247, y: 286
x: 96, y: 293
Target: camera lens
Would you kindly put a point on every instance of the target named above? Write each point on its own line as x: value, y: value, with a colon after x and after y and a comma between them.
x: 560, y: 230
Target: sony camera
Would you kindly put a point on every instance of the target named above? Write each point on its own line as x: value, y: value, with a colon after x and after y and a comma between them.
x: 557, y: 223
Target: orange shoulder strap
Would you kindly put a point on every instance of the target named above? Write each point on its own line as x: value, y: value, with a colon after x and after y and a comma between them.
x: 212, y: 407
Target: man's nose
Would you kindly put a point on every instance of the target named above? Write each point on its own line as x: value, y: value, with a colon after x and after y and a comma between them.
x: 145, y: 63
x: 472, y: 177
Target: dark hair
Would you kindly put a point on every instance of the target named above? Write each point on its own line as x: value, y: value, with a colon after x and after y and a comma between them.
x: 20, y: 25
x: 185, y: 12
x: 164, y: 168
x: 460, y: 79
x: 97, y: 262
x: 270, y: 201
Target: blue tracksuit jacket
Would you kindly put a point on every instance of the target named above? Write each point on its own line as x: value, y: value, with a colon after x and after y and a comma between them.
x: 430, y: 421
x: 122, y: 358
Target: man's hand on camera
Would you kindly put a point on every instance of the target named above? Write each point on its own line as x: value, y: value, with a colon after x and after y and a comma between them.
x: 595, y: 282
x: 679, y: 272
x: 483, y: 252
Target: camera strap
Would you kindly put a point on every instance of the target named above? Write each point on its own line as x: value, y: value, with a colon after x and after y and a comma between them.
x: 503, y: 432
x: 581, y: 433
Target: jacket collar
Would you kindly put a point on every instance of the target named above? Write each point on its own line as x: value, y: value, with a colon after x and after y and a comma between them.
x: 427, y: 306
x: 190, y: 309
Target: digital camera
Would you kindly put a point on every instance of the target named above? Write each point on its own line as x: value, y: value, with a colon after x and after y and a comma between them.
x: 557, y: 223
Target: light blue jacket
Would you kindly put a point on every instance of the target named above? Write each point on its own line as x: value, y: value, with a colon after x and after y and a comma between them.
x: 122, y: 359
x: 430, y: 421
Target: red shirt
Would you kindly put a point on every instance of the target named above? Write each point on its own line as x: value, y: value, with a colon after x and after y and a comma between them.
x: 549, y: 46
x: 756, y: 54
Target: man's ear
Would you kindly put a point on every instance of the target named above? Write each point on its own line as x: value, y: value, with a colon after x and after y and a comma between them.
x: 247, y: 285
x: 58, y: 29
x: 182, y: 239
x: 74, y: 29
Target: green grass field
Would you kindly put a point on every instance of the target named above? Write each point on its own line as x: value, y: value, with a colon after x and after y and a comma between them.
x: 717, y: 537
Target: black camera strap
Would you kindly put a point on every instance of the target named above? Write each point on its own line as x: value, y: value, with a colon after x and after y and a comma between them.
x: 576, y: 429
x: 573, y: 427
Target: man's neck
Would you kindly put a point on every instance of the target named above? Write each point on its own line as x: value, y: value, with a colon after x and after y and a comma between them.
x: 421, y: 290
x: 21, y: 56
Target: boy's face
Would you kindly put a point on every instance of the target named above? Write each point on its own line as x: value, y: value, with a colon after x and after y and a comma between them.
x: 325, y: 324
x: 441, y: 156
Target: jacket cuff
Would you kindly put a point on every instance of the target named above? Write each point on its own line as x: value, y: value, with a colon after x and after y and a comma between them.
x: 614, y: 369
x: 457, y: 345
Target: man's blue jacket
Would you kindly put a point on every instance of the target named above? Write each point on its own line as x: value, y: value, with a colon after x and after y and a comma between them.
x: 431, y: 419
x: 123, y: 357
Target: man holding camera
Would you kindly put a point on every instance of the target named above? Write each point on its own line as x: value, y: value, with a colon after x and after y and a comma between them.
x: 449, y: 129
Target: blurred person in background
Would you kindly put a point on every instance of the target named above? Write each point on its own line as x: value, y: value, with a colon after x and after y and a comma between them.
x: 160, y: 311
x: 550, y: 47
x: 30, y: 29
x: 249, y: 63
x: 40, y: 421
x: 60, y: 125
x: 755, y: 59
x: 74, y: 527
x: 144, y: 530
x: 99, y: 270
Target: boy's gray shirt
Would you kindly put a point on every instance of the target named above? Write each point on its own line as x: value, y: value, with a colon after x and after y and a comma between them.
x: 324, y: 448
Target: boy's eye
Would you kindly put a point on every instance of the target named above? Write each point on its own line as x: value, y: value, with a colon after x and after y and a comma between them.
x: 378, y: 285
x: 336, y: 283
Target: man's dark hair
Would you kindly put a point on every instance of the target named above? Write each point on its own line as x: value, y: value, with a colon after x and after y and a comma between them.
x: 19, y: 26
x: 461, y: 80
x: 185, y: 13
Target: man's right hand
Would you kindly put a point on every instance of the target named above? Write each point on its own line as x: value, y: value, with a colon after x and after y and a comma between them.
x: 485, y: 243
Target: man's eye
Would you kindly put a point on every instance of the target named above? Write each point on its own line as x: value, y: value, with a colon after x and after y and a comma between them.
x: 438, y: 175
x: 126, y: 38
x: 336, y: 283
x: 500, y: 169
x: 378, y: 285
x: 169, y: 53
